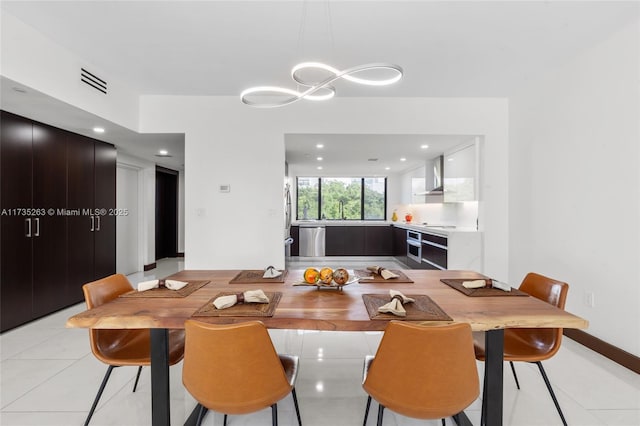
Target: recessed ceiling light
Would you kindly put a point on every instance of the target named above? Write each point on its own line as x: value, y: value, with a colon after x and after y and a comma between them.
x: 163, y: 152
x: 319, y: 167
x: 387, y: 168
x: 450, y: 159
x: 19, y: 89
x: 403, y: 159
x: 98, y: 129
x: 319, y: 145
x: 319, y: 158
x: 424, y: 146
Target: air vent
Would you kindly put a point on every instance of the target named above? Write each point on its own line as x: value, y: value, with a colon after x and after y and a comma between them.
x: 93, y: 80
x: 372, y: 159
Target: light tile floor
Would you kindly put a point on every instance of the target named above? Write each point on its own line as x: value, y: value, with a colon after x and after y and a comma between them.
x: 49, y: 377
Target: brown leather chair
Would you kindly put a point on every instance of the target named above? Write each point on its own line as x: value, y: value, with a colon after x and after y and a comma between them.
x: 533, y: 344
x: 422, y: 372
x: 234, y: 369
x: 118, y: 348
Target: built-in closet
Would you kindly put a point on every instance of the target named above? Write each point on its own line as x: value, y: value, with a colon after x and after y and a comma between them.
x: 57, y: 228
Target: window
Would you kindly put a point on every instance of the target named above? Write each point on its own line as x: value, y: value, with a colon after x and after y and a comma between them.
x: 341, y: 198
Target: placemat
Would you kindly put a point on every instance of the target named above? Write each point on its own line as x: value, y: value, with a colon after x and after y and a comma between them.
x: 423, y: 309
x: 241, y: 309
x: 480, y: 292
x: 165, y: 292
x: 377, y: 279
x: 255, y: 277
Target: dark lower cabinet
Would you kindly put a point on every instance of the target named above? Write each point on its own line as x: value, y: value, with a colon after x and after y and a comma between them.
x: 378, y: 241
x: 295, y: 246
x: 358, y: 241
x: 400, y: 244
x: 52, y: 241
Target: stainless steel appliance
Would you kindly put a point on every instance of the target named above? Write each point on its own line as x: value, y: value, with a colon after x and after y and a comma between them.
x: 312, y: 241
x: 287, y: 221
x: 414, y: 246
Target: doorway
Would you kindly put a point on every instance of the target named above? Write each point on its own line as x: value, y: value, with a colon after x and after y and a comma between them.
x: 166, y: 213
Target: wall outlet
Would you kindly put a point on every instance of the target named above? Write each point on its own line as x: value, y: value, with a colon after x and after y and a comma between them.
x: 589, y: 299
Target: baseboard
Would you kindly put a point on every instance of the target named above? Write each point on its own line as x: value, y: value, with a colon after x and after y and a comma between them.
x: 149, y: 266
x: 179, y: 254
x: 605, y: 349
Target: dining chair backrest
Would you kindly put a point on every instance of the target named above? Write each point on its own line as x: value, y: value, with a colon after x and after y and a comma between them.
x: 115, y: 346
x: 424, y: 372
x: 233, y: 369
x: 546, y: 340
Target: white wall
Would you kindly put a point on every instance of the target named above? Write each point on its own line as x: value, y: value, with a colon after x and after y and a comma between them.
x: 227, y: 142
x: 146, y: 207
x: 574, y: 191
x: 128, y: 259
x: 37, y: 62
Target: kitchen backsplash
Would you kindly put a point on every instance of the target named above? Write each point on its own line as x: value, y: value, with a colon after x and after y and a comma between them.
x: 460, y: 214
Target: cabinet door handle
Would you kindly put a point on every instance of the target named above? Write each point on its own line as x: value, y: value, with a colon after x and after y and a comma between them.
x: 28, y: 223
x: 37, y: 233
x: 93, y: 227
x: 98, y: 227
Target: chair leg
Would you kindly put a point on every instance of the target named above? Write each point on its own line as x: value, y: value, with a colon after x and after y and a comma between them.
x: 366, y: 411
x: 380, y: 414
x: 443, y: 422
x: 515, y: 376
x: 224, y: 423
x: 201, y: 413
x: 553, y: 395
x: 135, y: 385
x: 295, y: 404
x: 95, y: 401
x: 274, y: 415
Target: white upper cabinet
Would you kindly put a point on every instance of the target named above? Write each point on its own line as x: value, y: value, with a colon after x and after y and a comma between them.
x: 413, y: 186
x: 461, y: 174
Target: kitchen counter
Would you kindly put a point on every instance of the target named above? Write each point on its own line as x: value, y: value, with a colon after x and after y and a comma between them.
x: 432, y: 229
x: 313, y: 223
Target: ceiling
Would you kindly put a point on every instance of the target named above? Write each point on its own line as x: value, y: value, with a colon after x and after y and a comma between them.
x: 365, y: 155
x: 219, y: 48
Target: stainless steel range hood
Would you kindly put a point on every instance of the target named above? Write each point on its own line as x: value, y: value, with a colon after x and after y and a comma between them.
x: 437, y: 169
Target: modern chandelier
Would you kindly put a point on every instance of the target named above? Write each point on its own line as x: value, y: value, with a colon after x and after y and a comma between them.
x: 317, y: 90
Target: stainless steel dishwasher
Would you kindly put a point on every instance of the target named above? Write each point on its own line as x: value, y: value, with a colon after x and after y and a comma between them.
x: 312, y: 241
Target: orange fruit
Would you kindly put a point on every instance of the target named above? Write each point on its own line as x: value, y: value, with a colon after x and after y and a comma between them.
x: 326, y: 275
x: 340, y: 276
x: 311, y: 275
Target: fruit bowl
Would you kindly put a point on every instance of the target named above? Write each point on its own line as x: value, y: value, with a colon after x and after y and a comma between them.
x: 326, y: 278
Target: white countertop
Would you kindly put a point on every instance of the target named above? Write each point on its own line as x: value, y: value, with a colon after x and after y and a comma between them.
x: 434, y: 229
x: 427, y: 229
x: 313, y: 223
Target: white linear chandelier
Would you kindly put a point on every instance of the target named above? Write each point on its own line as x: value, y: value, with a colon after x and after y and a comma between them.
x: 316, y: 90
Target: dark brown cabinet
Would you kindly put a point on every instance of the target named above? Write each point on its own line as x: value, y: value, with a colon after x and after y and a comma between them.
x: 91, y: 193
x: 358, y: 241
x: 400, y: 244
x: 344, y: 240
x: 52, y: 181
x: 295, y: 246
x: 378, y: 241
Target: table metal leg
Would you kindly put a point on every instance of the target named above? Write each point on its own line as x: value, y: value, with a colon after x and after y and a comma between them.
x: 160, y: 408
x: 461, y: 419
x: 493, y: 370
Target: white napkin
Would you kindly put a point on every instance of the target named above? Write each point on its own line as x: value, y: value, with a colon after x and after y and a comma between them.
x: 271, y: 272
x: 395, y: 306
x: 250, y: 296
x: 170, y: 284
x: 384, y: 273
x: 474, y: 284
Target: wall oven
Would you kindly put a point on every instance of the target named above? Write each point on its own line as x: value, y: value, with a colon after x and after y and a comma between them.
x: 414, y: 246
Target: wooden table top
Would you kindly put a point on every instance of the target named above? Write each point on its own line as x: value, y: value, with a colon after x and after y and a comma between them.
x: 311, y: 309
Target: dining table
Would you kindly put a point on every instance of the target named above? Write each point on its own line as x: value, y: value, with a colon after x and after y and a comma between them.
x: 312, y: 307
